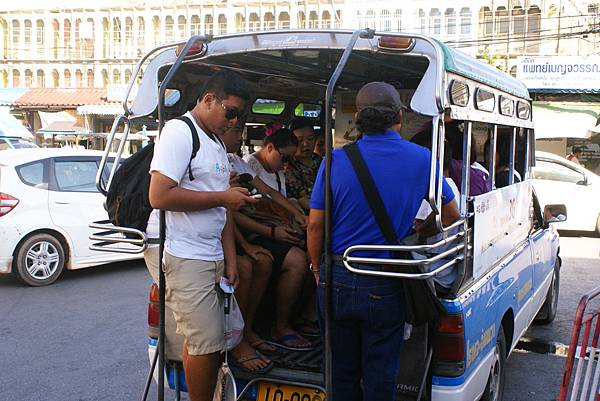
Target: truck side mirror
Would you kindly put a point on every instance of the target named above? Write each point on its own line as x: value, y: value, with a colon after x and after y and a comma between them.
x: 554, y: 214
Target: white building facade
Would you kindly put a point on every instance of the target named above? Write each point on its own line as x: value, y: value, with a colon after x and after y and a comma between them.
x: 74, y: 43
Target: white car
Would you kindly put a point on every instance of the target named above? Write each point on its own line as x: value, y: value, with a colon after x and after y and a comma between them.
x: 559, y: 181
x: 47, y: 199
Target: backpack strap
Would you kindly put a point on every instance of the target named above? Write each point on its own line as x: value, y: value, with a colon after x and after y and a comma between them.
x: 371, y: 193
x: 195, y: 142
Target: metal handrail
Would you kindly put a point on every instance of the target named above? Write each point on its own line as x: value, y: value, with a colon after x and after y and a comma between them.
x: 412, y: 276
x: 105, y: 242
x: 393, y: 262
x: 122, y: 118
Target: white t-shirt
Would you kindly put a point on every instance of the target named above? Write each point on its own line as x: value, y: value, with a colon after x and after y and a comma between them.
x: 269, y: 178
x: 239, y: 166
x: 196, y: 234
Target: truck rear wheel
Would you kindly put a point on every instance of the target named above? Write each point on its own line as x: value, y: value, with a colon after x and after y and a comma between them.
x: 494, y: 390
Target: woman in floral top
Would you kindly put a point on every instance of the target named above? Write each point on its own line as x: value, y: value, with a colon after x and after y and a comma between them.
x: 301, y: 171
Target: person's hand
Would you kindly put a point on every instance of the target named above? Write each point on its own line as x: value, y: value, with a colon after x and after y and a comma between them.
x: 302, y: 220
x: 236, y: 198
x: 286, y: 234
x: 231, y: 273
x: 254, y: 251
x: 234, y: 179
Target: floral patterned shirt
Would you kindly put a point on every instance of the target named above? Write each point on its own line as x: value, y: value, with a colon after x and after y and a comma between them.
x: 300, y: 176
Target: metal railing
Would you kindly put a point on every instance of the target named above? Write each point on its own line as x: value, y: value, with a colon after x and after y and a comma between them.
x: 585, y: 386
x: 117, y: 239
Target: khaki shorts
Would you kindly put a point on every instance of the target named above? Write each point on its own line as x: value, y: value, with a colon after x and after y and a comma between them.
x: 192, y: 293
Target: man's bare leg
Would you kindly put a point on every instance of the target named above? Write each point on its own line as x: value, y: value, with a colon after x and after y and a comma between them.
x: 200, y: 374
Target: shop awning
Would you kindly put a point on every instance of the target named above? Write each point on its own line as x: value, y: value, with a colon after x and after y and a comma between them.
x: 566, y: 119
x: 58, y: 123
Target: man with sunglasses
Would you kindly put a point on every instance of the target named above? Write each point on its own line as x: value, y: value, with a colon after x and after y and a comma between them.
x: 199, y: 247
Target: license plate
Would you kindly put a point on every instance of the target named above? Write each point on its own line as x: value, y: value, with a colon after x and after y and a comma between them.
x: 283, y: 392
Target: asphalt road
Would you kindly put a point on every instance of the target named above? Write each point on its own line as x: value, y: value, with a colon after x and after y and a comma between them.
x: 84, y: 338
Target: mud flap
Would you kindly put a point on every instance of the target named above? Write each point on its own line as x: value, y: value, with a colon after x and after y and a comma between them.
x: 414, y: 379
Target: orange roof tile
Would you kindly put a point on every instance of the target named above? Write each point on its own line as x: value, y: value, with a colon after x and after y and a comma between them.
x: 62, y: 97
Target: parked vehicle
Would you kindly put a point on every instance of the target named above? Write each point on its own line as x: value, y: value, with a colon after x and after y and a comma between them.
x: 558, y: 180
x: 10, y: 142
x: 503, y: 249
x: 47, y: 198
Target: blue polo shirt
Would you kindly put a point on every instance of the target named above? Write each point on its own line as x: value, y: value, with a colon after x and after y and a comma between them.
x: 401, y: 172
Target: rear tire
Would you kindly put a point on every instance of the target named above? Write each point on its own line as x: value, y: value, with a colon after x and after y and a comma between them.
x: 39, y: 260
x: 548, y: 311
x: 494, y: 390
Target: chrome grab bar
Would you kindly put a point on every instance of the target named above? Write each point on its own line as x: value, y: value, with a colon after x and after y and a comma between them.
x: 412, y: 276
x: 394, y: 262
x: 111, y: 235
x: 111, y: 137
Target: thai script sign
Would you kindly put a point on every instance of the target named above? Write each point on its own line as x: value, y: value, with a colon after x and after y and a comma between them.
x: 559, y: 72
x: 501, y: 223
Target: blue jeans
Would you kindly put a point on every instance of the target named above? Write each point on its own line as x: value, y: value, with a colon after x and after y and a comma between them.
x: 367, y: 334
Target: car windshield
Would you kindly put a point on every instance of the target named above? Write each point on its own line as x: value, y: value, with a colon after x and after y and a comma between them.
x: 22, y: 144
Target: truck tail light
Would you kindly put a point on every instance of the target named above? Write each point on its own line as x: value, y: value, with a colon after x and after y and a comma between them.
x: 153, y: 307
x: 449, y: 346
x: 7, y: 203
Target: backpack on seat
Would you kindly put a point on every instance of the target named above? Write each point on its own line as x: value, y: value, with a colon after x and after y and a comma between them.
x: 127, y: 200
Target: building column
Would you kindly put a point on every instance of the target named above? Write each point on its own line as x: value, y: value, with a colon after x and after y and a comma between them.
x: 98, y: 38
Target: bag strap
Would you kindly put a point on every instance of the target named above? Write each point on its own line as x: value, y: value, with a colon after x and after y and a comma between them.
x: 195, y: 142
x: 371, y: 193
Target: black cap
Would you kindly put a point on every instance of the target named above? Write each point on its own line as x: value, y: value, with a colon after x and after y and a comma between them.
x: 379, y: 96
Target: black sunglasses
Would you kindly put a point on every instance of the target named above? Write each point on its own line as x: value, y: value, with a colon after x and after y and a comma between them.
x: 232, y: 112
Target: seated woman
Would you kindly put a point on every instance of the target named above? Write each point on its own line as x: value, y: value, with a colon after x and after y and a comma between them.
x: 289, y: 261
x: 502, y: 163
x: 301, y: 171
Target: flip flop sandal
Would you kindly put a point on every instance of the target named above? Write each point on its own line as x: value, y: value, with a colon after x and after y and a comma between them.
x: 264, y: 347
x: 283, y: 342
x: 308, y: 328
x: 239, y: 363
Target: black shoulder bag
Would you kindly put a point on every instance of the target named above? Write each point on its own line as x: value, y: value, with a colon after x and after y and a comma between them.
x: 420, y: 301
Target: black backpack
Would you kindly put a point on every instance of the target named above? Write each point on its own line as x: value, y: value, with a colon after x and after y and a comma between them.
x: 127, y: 201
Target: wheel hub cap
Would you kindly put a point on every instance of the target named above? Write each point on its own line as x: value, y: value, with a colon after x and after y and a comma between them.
x: 42, y: 260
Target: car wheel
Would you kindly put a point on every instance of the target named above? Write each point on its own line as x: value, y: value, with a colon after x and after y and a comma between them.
x: 548, y: 311
x: 494, y: 390
x: 39, y: 260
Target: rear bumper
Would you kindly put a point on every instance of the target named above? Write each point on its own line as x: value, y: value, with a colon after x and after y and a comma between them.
x: 471, y: 389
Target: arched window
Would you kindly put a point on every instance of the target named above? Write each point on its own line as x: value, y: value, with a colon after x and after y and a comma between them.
x: 450, y: 21
x: 398, y: 20
x: 90, y: 78
x: 55, y: 38
x: 129, y: 50
x: 16, y: 37
x: 40, y: 35
x: 513, y: 71
x: 155, y: 30
x: 269, y: 21
x: 169, y: 28
x: 16, y: 79
x: 182, y: 27
x: 104, y: 78
x: 87, y: 35
x: 518, y: 21
x: 313, y: 20
x: 222, y: 24
x: 337, y: 21
x: 435, y: 22
x: 534, y: 19
x: 325, y: 19
x: 116, y: 76
x: 502, y: 22
x: 28, y: 78
x: 195, y: 25
x: 116, y: 28
x: 254, y: 22
x: 127, y: 75
x: 4, y: 78
x: 240, y: 23
x: 68, y: 83
x: 208, y: 24
x: 465, y: 21
x: 284, y: 20
x: 486, y: 27
x: 27, y: 34
x: 301, y: 20
x: 105, y: 38
x: 77, y: 36
x: 41, y: 79
x: 370, y: 21
x: 55, y: 79
x: 359, y: 20
x: 78, y: 79
x: 386, y: 20
x: 422, y: 21
x: 141, y: 33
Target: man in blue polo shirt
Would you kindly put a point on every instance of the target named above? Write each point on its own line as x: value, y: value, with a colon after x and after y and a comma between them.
x: 368, y: 313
